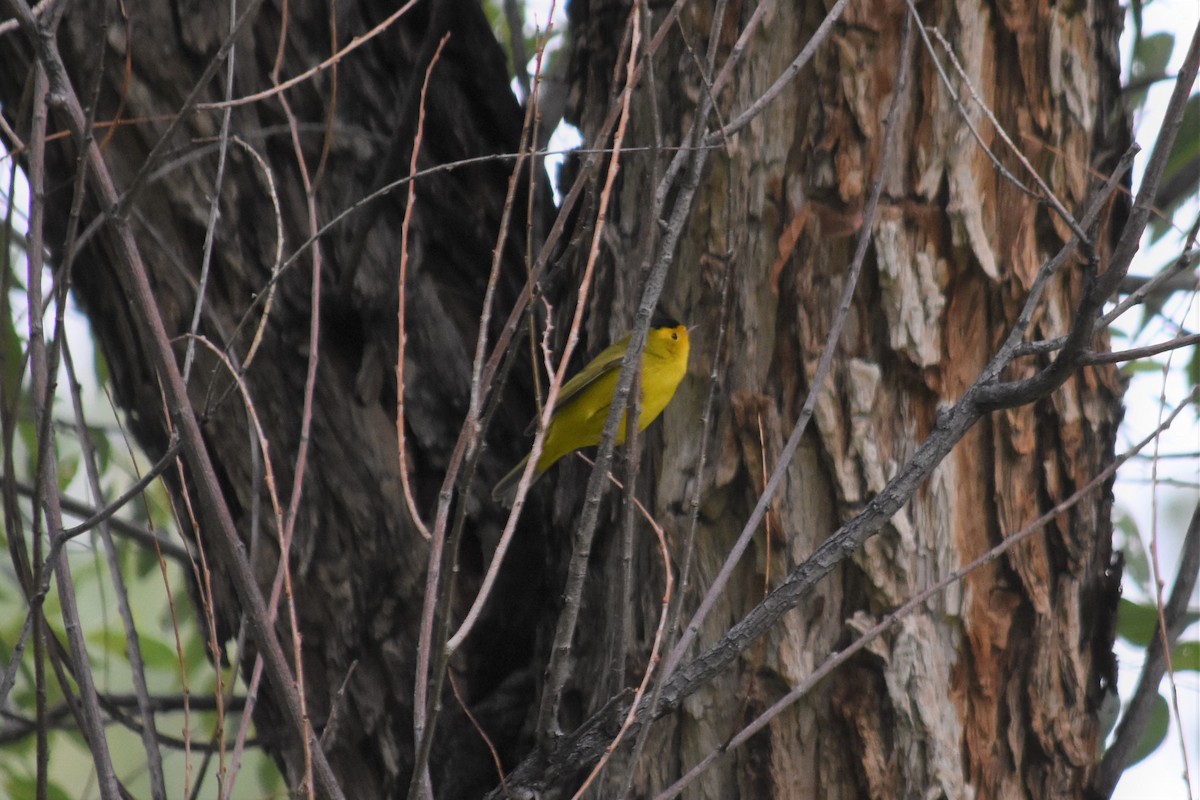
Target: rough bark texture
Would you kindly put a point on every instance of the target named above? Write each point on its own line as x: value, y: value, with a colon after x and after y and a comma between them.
x: 990, y: 691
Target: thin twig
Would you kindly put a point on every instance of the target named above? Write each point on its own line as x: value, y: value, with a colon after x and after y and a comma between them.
x: 787, y: 76
x: 260, y: 439
x: 1135, y: 353
x: 558, y: 669
x: 142, y: 536
x: 487, y: 740
x: 92, y: 725
x: 131, y: 269
x: 300, y: 468
x: 276, y: 263
x: 1170, y: 278
x: 425, y: 632
x: 133, y: 649
x: 1165, y: 642
x: 401, y: 306
x: 97, y: 517
x: 214, y: 205
x: 655, y: 647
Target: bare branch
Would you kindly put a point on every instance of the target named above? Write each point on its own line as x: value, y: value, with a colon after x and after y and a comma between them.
x: 1141, y: 352
x: 758, y: 106
x: 557, y: 671
x: 127, y: 259
x: 90, y: 722
x: 133, y: 650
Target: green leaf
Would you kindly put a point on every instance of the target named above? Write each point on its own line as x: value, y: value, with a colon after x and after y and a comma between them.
x: 1180, y: 173
x: 102, y: 447
x: 1151, y: 54
x: 157, y: 654
x: 270, y: 781
x: 100, y: 366
x: 1136, y: 621
x: 1141, y: 364
x: 1186, y: 656
x: 145, y: 561
x: 1155, y: 732
x: 68, y: 466
x: 1137, y: 565
x: 110, y: 640
x: 27, y: 431
x: 195, y: 651
x: 26, y: 786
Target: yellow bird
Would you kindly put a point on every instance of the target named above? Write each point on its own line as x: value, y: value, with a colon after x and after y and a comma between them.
x: 583, y: 402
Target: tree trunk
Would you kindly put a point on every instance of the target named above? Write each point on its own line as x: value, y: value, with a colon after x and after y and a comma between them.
x: 991, y: 689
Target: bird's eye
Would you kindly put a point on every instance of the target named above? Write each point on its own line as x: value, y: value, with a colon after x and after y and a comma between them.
x: 674, y: 335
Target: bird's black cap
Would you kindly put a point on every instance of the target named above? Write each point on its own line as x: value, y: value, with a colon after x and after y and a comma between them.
x: 661, y: 320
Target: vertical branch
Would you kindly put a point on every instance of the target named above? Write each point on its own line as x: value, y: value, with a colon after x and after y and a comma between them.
x: 558, y: 669
x: 149, y: 732
x: 133, y: 648
x: 92, y: 723
x: 210, y: 228
x: 621, y: 592
x: 439, y: 594
x: 401, y: 306
x: 655, y: 650
x: 436, y: 549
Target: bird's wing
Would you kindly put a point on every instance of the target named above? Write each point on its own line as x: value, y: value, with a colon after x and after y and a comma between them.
x: 608, y: 360
x: 603, y: 364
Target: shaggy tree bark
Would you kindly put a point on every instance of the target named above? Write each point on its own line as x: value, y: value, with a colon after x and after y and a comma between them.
x: 991, y: 689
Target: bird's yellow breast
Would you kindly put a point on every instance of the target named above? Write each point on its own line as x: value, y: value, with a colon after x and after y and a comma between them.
x: 579, y: 422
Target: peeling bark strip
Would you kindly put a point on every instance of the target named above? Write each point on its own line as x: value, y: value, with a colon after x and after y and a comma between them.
x: 990, y: 691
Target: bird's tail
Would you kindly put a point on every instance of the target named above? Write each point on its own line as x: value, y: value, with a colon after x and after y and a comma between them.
x: 505, y: 491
